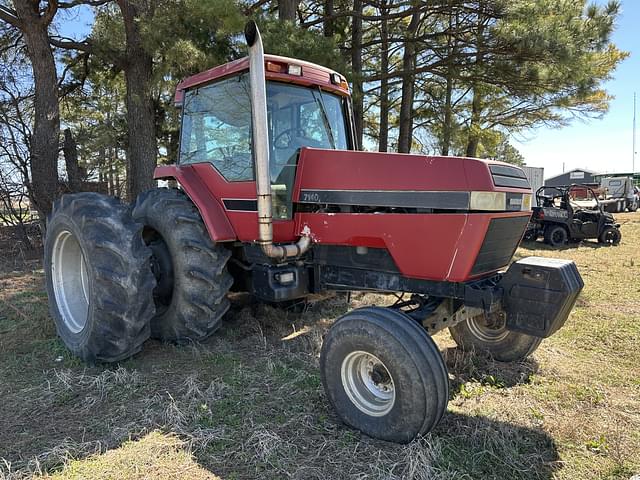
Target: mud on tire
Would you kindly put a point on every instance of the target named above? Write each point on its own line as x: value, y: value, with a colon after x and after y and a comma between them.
x: 97, y: 277
x: 193, y: 281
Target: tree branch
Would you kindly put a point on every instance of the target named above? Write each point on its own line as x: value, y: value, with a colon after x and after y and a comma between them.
x: 70, y: 44
x: 90, y: 3
x: 50, y: 12
x: 10, y: 16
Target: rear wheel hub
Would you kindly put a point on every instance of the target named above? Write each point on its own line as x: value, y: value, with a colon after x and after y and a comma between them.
x: 70, y: 281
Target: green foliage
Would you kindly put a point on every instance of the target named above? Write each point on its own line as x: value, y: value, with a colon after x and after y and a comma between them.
x: 498, y: 67
x: 183, y: 37
x: 288, y: 40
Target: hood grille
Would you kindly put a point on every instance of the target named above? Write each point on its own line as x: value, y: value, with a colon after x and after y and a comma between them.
x: 505, y: 176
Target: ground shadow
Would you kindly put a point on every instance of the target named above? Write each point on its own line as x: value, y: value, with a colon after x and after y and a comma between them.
x: 479, y: 367
x: 483, y: 447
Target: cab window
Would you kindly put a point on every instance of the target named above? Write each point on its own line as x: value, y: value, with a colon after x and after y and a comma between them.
x: 216, y: 128
x: 299, y: 117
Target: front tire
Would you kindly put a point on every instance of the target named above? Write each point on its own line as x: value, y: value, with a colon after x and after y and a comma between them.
x: 610, y: 236
x: 383, y: 374
x: 488, y: 334
x: 191, y: 270
x: 97, y: 277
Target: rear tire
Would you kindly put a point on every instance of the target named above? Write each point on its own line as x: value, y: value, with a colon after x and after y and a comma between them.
x: 556, y: 236
x: 383, y: 374
x: 193, y: 282
x: 97, y: 277
x: 610, y: 236
x: 489, y: 335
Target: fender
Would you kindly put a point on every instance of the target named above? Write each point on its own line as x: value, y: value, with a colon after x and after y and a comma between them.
x: 211, y: 211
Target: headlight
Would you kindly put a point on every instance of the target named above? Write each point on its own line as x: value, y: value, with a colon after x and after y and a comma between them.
x: 488, y: 201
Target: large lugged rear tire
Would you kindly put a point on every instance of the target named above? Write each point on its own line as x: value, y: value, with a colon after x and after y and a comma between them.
x: 97, y: 277
x: 489, y: 334
x: 190, y: 268
x: 383, y: 374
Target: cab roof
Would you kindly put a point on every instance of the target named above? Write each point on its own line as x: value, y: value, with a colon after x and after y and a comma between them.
x: 276, y: 68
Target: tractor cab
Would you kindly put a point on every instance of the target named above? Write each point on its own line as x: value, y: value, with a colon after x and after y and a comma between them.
x: 307, y: 106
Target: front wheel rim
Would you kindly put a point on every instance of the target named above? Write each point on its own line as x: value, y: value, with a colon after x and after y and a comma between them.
x: 368, y: 383
x: 70, y: 281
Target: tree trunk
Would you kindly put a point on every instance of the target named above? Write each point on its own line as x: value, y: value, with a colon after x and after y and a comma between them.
x: 328, y: 22
x: 448, y: 108
x: 45, y: 140
x: 446, y: 127
x: 383, y: 135
x: 474, y: 123
x: 142, y: 149
x: 356, y: 66
x: 476, y: 104
x: 75, y: 175
x: 405, y: 136
x: 287, y: 9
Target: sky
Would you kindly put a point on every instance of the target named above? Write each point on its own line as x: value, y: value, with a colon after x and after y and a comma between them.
x: 603, y: 145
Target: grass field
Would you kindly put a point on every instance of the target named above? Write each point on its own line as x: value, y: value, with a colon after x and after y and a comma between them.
x: 248, y: 403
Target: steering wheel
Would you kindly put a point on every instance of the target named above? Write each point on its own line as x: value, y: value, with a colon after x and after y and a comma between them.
x: 278, y: 142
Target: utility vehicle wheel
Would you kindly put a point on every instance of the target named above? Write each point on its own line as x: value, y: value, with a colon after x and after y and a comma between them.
x: 97, y: 277
x: 488, y: 333
x: 383, y: 374
x: 530, y: 235
x: 555, y: 236
x: 193, y: 282
x: 610, y: 236
x: 633, y: 207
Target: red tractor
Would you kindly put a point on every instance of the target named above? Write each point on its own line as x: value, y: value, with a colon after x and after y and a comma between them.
x: 273, y: 198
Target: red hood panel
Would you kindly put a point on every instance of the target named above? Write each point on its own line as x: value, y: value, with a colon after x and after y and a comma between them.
x: 349, y: 170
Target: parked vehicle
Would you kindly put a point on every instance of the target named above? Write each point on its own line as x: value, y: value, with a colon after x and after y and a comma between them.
x: 560, y: 218
x: 274, y: 200
x: 619, y: 194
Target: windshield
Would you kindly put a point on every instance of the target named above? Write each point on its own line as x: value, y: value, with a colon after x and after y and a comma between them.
x: 299, y: 117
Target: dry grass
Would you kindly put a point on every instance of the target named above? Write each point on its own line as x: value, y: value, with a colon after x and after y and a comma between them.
x: 248, y: 403
x: 155, y: 456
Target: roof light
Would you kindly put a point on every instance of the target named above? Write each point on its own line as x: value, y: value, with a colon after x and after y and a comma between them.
x: 335, y: 78
x: 294, y: 70
x: 275, y: 67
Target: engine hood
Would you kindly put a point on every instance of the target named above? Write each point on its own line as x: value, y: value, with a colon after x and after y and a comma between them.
x: 343, y: 177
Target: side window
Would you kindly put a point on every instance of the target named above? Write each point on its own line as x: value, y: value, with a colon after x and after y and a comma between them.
x: 216, y: 128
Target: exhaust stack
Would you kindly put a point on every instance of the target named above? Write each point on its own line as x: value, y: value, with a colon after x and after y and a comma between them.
x: 261, y: 152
